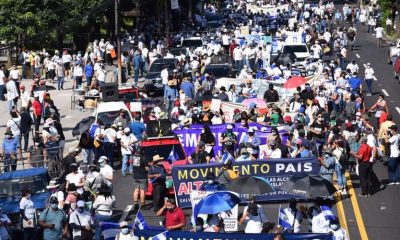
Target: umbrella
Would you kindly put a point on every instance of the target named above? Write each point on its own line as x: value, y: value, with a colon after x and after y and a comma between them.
x: 294, y: 82
x: 285, y: 59
x: 82, y: 126
x: 250, y: 185
x: 216, y: 203
x: 258, y: 101
x: 308, y: 186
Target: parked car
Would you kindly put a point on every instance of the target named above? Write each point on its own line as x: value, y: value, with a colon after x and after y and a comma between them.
x: 109, y: 111
x: 153, y: 81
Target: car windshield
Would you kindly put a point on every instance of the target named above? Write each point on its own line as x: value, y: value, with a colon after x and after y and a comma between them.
x: 13, y: 187
x: 294, y: 48
x: 108, y: 117
x: 218, y: 72
x: 192, y: 43
x: 158, y: 67
x: 165, y: 151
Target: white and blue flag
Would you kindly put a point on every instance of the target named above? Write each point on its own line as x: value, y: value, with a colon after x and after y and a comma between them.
x: 140, y: 222
x: 160, y: 236
x: 171, y: 155
x: 226, y: 157
x: 328, y: 213
x: 283, y: 219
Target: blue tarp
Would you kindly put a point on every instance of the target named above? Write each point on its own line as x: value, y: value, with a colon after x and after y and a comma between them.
x: 23, y: 173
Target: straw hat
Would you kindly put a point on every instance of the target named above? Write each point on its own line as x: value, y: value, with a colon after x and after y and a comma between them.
x: 157, y: 158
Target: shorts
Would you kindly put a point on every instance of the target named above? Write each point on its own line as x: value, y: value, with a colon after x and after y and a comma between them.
x: 67, y: 66
x: 140, y: 184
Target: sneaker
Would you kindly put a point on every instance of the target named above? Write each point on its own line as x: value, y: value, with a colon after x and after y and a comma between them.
x: 390, y: 183
x: 397, y: 183
x: 124, y: 174
x: 363, y: 195
x: 368, y: 94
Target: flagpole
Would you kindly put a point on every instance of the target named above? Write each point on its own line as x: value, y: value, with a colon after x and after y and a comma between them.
x: 279, y: 213
x: 140, y: 206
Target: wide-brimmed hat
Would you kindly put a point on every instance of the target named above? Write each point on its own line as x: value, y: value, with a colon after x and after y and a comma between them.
x: 157, y: 158
x: 187, y: 121
x: 52, y: 184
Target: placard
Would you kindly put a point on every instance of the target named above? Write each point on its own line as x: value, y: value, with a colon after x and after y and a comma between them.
x: 215, y: 105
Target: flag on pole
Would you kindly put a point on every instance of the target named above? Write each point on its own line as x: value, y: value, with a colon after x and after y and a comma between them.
x: 226, y: 157
x: 160, y: 236
x: 328, y: 213
x: 283, y: 220
x: 109, y: 230
x: 171, y: 155
x: 140, y: 222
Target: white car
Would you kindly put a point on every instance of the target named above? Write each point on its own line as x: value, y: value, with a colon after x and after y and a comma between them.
x: 109, y: 111
x: 300, y: 50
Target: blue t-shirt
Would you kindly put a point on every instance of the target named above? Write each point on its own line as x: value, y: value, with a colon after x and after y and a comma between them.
x: 56, y: 217
x: 137, y: 129
x: 89, y: 70
x: 10, y: 145
x: 188, y: 89
x: 354, y: 82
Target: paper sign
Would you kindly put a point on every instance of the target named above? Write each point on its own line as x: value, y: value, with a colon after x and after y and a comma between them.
x: 136, y: 107
x: 215, y: 105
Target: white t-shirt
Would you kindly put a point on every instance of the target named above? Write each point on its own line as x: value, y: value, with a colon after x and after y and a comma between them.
x: 12, y: 92
x: 84, y: 220
x: 13, y: 125
x: 369, y: 73
x: 164, y: 76
x: 127, y: 140
x: 14, y: 74
x: 276, y: 153
x: 101, y: 76
x: 379, y: 32
x: 110, y: 135
x: 75, y: 178
x: 28, y: 207
x: 394, y: 146
x: 255, y: 223
x: 66, y: 58
x: 320, y: 224
x: 60, y: 197
x: 2, y: 76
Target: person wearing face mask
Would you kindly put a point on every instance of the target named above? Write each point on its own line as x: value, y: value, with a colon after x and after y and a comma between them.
x: 106, y: 171
x: 125, y: 234
x: 274, y: 152
x: 294, y: 216
x: 393, y: 169
x: 54, y: 221
x: 28, y: 214
x: 211, y: 184
x: 174, y: 216
x: 369, y: 76
x: 4, y: 222
x: 307, y: 94
x: 75, y: 177
x: 199, y: 227
x: 254, y: 216
x: 252, y: 140
x: 222, y: 95
x: 338, y: 232
x: 127, y: 144
x: 317, y: 129
x: 81, y: 223
x: 10, y: 148
x: 102, y: 206
x: 271, y: 95
x: 228, y: 140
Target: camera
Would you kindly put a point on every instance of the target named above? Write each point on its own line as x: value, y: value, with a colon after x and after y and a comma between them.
x: 253, y: 209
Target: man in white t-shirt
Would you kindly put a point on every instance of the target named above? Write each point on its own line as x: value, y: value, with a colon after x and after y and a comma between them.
x: 127, y: 142
x: 254, y: 216
x: 369, y: 77
x: 13, y: 124
x: 106, y: 170
x: 109, y: 142
x: 164, y: 75
x: 379, y: 35
x: 294, y: 216
x: 14, y: 73
x: 393, y: 169
x: 80, y: 220
x: 12, y: 94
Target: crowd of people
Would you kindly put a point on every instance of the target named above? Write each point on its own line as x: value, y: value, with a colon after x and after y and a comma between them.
x: 326, y: 118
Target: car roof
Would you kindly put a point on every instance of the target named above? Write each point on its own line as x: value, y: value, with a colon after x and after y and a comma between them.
x: 192, y: 38
x: 111, y: 106
x: 164, y: 60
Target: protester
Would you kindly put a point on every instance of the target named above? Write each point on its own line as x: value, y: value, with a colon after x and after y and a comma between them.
x: 157, y: 176
x: 254, y: 216
x: 102, y: 207
x: 4, y: 223
x: 53, y: 221
x: 174, y: 216
x: 81, y: 222
x: 27, y: 211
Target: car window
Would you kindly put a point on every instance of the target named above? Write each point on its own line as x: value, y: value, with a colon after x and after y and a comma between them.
x: 294, y: 48
x: 218, y: 72
x: 156, y: 67
x: 165, y: 151
x: 12, y: 187
x: 192, y: 43
x: 108, y: 117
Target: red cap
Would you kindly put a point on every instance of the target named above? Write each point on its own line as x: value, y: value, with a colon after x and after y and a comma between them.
x: 287, y: 118
x: 236, y: 111
x: 348, y: 124
x: 177, y: 103
x: 22, y: 87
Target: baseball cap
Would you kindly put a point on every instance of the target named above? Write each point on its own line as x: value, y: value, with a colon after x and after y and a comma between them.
x: 394, y: 127
x: 123, y: 224
x: 126, y: 130
x: 102, y: 159
x: 287, y: 118
x: 251, y: 130
x: 229, y: 127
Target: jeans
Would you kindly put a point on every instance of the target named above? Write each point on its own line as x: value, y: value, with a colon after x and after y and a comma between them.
x: 100, y: 218
x: 88, y: 156
x: 108, y: 149
x: 341, y: 179
x: 368, y: 82
x: 393, y: 169
x: 24, y: 68
x: 60, y: 82
x: 10, y: 105
x: 125, y: 159
x: 37, y: 123
x: 2, y: 92
x: 169, y: 104
x: 29, y: 233
x: 26, y: 141
x: 238, y: 65
x: 88, y: 81
x: 136, y: 75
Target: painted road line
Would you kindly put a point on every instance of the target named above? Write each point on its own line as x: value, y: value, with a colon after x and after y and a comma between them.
x: 384, y: 92
x: 340, y: 211
x: 125, y: 213
x: 398, y: 109
x: 365, y: 65
x: 375, y: 79
x: 358, y: 56
x: 356, y: 208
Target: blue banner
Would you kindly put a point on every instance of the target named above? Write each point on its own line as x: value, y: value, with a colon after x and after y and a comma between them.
x: 182, y: 235
x: 189, y: 137
x: 190, y: 177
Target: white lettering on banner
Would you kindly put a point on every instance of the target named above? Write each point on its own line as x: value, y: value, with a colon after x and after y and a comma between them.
x: 293, y: 167
x: 191, y: 140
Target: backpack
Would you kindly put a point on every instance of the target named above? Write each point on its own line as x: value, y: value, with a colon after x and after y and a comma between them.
x: 21, y: 58
x: 343, y: 160
x: 92, y: 130
x: 350, y: 109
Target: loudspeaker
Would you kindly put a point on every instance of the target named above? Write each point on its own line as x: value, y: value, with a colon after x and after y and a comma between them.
x: 160, y: 128
x: 109, y: 92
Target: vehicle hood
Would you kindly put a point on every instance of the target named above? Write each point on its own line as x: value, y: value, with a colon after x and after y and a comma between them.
x: 10, y: 204
x: 302, y: 54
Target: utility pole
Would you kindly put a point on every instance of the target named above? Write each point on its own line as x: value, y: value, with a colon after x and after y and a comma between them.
x: 116, y: 10
x: 166, y: 12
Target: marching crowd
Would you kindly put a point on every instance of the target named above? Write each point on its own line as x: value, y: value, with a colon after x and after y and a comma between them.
x: 326, y: 119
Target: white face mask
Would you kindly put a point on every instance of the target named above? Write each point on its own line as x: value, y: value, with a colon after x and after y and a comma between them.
x: 125, y: 231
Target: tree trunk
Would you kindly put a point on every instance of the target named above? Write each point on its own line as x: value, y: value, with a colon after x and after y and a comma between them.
x: 60, y: 38
x: 397, y: 19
